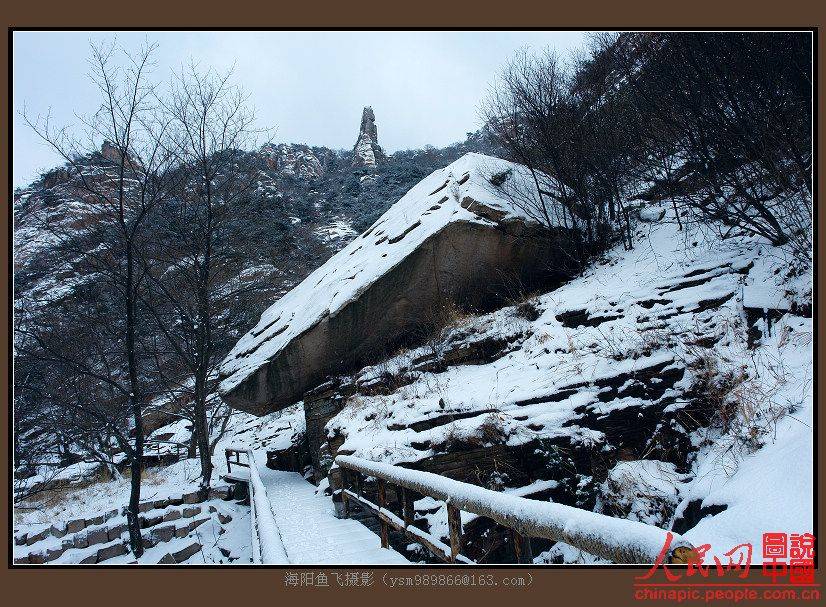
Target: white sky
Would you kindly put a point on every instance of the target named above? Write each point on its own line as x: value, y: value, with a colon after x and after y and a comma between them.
x: 425, y: 87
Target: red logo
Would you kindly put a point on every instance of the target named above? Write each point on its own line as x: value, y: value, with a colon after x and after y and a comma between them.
x: 789, y: 556
x: 694, y: 573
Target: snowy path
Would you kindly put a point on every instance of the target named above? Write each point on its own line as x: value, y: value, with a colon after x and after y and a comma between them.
x: 310, y: 531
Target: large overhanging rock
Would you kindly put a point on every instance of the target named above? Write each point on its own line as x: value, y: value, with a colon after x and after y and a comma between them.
x: 453, y: 238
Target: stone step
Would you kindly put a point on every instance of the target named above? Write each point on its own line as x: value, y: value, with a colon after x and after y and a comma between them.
x: 49, y: 549
x: 62, y: 529
x: 152, y: 518
x: 46, y: 549
x: 114, y: 543
x: 181, y: 555
x: 164, y: 533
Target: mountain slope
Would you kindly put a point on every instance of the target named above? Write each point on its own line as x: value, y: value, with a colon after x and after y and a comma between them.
x: 644, y: 389
x: 306, y: 203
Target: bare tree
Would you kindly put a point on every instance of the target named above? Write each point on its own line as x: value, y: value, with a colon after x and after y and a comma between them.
x: 719, y: 124
x: 107, y: 352
x: 538, y: 116
x: 738, y: 122
x: 194, y: 271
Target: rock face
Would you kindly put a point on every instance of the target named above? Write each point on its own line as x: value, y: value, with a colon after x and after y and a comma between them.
x: 453, y: 241
x: 367, y: 151
x: 293, y: 159
x: 110, y: 152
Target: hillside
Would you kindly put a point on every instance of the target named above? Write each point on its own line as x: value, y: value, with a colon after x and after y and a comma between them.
x: 305, y: 205
x: 583, y: 335
x: 649, y: 388
x: 661, y: 400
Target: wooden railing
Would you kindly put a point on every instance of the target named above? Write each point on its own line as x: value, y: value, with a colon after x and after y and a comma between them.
x: 267, y: 547
x: 237, y: 452
x: 178, y: 448
x: 613, y: 539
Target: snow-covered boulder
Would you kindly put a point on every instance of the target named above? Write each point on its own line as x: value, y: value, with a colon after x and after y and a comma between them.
x: 454, y: 238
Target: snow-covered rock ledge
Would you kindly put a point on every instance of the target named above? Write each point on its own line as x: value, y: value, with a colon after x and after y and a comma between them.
x: 454, y: 238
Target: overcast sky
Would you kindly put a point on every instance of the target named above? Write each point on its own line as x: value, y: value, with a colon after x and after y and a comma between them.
x: 425, y: 87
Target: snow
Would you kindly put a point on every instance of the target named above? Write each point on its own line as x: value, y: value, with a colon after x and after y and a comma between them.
x: 425, y: 210
x: 221, y: 542
x: 647, y: 489
x: 310, y: 531
x: 765, y: 287
x: 771, y: 489
x: 656, y: 299
x: 437, y: 521
x: 553, y: 357
x: 296, y: 522
x: 158, y: 483
x: 338, y: 229
x: 89, y: 500
x: 268, y: 548
x: 621, y: 540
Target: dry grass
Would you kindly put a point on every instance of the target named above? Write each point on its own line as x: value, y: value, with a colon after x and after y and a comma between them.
x: 57, y: 494
x: 151, y: 477
x: 490, y: 432
x: 744, y: 409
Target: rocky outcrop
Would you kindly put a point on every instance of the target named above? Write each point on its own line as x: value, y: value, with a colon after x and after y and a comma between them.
x: 293, y: 159
x: 430, y: 253
x: 367, y: 152
x: 109, y: 151
x: 304, y: 204
x: 112, y: 153
x: 463, y: 263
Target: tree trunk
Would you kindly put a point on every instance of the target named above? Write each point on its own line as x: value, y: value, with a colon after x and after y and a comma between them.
x: 132, y: 514
x: 133, y: 520
x: 204, y: 343
x: 202, y: 437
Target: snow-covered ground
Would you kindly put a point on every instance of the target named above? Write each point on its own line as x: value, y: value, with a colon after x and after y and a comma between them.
x: 337, y: 230
x: 311, y: 533
x: 222, y: 526
x: 673, y: 304
x: 222, y: 542
x: 641, y: 333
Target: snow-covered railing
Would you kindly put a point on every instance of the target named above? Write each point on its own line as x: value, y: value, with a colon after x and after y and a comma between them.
x: 169, y: 446
x: 267, y: 547
x: 613, y: 539
x: 236, y: 452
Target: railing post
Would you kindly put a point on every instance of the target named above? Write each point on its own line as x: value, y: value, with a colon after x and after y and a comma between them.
x: 454, y: 525
x: 345, y: 484
x: 229, y: 465
x: 407, y: 507
x: 522, y: 551
x: 619, y: 546
x: 382, y: 498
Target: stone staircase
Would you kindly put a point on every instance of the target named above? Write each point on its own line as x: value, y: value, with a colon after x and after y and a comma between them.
x: 98, y: 539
